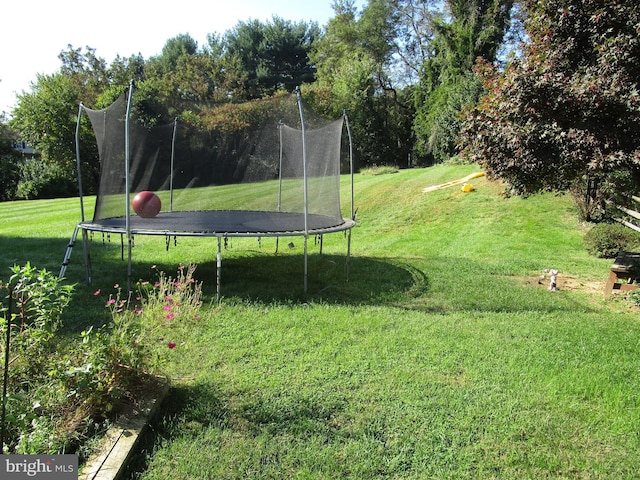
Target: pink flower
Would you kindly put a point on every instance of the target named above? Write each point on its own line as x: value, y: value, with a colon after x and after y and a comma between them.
x: 156, y: 285
x: 168, y: 299
x: 170, y: 316
x: 111, y: 301
x: 116, y: 286
x: 167, y: 308
x: 197, y: 317
x: 171, y: 345
x: 96, y: 293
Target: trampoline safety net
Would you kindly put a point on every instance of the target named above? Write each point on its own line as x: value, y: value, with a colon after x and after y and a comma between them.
x: 269, y: 168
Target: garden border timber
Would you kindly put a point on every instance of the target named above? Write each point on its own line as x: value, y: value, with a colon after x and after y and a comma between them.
x: 117, y: 447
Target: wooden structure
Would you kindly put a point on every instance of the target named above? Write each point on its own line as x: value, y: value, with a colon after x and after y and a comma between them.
x: 626, y: 268
x: 624, y: 271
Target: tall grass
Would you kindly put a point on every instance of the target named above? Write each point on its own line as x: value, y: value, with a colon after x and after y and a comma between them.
x: 441, y: 357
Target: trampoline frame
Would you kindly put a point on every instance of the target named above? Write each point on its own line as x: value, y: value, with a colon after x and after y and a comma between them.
x: 128, y: 226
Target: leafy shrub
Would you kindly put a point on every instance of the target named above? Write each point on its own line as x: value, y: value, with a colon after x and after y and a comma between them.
x: 378, y: 170
x: 10, y: 168
x: 37, y: 299
x: 606, y: 240
x: 46, y: 180
x: 438, y: 122
x: 60, y: 390
x: 634, y: 297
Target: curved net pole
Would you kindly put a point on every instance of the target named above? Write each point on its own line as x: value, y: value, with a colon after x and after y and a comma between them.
x: 127, y: 181
x: 80, y: 108
x: 173, y: 150
x: 74, y: 236
x: 353, y: 213
x: 279, y: 177
x: 280, y: 166
x: 305, y: 185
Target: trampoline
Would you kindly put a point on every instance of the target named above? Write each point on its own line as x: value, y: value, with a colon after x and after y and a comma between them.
x: 275, y: 174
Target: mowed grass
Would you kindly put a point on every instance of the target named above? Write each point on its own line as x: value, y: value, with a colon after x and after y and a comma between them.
x: 441, y: 357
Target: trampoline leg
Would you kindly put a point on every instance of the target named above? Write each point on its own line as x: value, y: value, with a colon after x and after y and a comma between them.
x: 348, y: 254
x: 129, y: 261
x: 305, y: 264
x: 87, y: 255
x: 218, y: 267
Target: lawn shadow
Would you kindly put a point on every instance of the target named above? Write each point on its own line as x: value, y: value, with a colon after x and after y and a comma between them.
x: 256, y: 275
x: 41, y: 252
x: 431, y: 284
x: 330, y: 278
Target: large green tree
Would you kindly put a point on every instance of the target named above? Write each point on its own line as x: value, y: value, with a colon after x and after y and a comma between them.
x: 353, y: 59
x: 569, y: 108
x: 466, y: 30
x: 273, y: 55
x: 46, y: 118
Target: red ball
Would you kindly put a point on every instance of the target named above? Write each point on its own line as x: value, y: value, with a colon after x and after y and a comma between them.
x: 146, y: 204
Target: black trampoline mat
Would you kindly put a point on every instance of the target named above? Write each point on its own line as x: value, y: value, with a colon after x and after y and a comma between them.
x: 223, y: 223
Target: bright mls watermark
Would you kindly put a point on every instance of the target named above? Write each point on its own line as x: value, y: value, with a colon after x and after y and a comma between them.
x: 50, y: 467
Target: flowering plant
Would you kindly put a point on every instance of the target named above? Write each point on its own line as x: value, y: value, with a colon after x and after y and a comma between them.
x: 151, y: 314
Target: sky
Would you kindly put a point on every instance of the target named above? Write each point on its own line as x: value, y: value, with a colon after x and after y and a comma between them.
x: 34, y: 32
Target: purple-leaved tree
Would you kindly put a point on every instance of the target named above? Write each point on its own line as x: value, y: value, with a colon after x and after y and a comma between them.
x: 568, y: 109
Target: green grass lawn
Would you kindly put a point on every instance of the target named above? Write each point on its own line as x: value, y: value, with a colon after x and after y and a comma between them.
x: 441, y: 357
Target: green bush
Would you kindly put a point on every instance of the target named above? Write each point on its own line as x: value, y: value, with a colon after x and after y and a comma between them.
x: 46, y: 180
x: 10, y: 168
x: 634, y: 297
x: 606, y: 240
x: 31, y: 317
x: 437, y: 123
x: 61, y: 389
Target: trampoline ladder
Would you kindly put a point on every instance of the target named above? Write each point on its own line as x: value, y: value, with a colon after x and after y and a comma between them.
x: 67, y: 256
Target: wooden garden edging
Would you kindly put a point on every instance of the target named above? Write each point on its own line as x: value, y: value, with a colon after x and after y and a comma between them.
x: 122, y: 439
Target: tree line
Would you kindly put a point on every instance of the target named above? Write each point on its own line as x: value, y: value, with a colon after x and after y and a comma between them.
x: 513, y: 85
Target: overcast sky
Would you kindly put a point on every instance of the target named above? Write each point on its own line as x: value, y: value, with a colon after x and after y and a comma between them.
x: 34, y: 32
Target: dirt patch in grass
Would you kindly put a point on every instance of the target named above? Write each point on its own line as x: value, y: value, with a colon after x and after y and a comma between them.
x: 570, y: 282
x: 566, y: 282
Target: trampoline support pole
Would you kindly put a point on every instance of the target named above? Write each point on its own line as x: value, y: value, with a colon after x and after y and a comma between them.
x: 129, y: 262
x: 305, y: 184
x: 348, y: 254
x: 218, y: 268
x: 87, y: 255
x: 127, y: 181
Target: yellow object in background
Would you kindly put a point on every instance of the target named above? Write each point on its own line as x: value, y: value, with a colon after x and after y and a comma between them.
x: 455, y: 182
x: 467, y: 187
